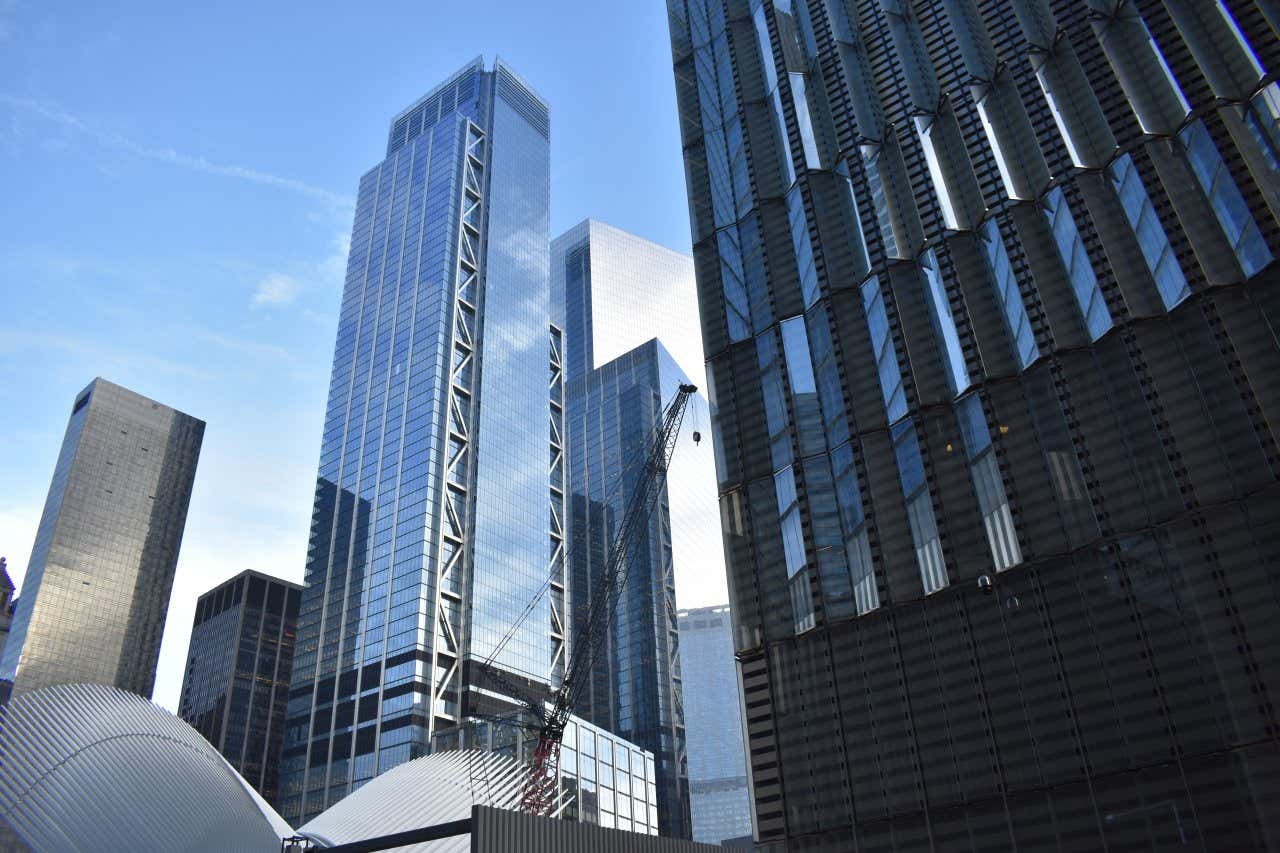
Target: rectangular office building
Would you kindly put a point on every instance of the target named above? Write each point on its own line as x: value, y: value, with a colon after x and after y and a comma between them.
x: 439, y: 509
x: 719, y: 793
x: 239, y: 663
x: 97, y: 587
x: 631, y: 339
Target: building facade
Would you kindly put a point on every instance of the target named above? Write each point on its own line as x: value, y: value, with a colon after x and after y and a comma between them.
x: 433, y: 510
x: 604, y: 779
x: 96, y: 591
x: 236, y: 685
x: 625, y: 301
x: 987, y: 293
x: 613, y: 291
x: 636, y: 690
x: 719, y: 794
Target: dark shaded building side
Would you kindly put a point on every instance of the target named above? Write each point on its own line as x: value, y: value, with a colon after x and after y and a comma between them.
x: 989, y: 301
x: 236, y: 685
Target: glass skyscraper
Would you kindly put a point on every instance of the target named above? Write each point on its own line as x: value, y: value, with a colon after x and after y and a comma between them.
x: 236, y: 684
x: 989, y: 300
x: 439, y: 510
x: 623, y: 299
x: 96, y: 592
x: 719, y: 795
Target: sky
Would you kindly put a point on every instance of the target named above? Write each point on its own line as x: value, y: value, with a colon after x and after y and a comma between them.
x: 177, y: 185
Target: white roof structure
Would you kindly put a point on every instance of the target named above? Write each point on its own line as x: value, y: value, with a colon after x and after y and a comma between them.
x: 435, y: 789
x: 88, y: 767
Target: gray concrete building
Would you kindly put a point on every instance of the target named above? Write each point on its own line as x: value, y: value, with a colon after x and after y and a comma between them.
x: 96, y: 591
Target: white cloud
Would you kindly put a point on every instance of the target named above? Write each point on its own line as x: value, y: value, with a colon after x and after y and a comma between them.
x: 276, y: 289
x: 17, y: 535
x: 169, y: 155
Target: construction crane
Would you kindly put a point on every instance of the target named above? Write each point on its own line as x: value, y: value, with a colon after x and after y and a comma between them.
x: 550, y: 718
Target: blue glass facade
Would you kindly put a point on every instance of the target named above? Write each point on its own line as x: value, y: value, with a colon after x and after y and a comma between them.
x: 636, y: 688
x: 430, y: 525
x: 719, y: 796
x: 623, y: 300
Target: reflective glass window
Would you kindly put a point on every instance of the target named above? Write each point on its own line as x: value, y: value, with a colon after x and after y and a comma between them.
x: 857, y: 239
x: 1224, y: 196
x: 827, y: 371
x: 993, y: 502
x: 1262, y: 117
x: 857, y: 545
x: 1076, y: 259
x: 800, y: 97
x: 789, y: 516
x: 879, y: 201
x: 1006, y: 284
x: 805, y: 267
x: 775, y: 97
x: 775, y: 404
x: 924, y: 527
x: 944, y: 325
x: 1145, y: 223
x: 895, y: 399
x: 799, y: 364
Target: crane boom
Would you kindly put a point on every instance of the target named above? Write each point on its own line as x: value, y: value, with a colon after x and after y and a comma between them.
x: 540, y: 788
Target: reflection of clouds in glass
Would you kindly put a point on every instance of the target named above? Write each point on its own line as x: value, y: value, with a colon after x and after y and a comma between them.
x: 512, y: 518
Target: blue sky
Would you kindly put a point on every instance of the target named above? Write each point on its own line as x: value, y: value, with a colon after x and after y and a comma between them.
x: 177, y: 183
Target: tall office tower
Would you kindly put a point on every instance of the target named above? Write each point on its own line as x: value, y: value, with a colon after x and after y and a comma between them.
x: 613, y: 291
x: 97, y: 587
x: 623, y: 299
x: 439, y: 504
x: 719, y: 795
x: 988, y: 303
x: 239, y: 660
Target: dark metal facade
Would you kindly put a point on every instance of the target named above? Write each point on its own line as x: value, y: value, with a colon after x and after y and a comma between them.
x: 236, y: 685
x: 989, y: 306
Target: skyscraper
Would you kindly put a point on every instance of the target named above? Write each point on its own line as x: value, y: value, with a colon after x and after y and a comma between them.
x: 623, y: 298
x: 613, y: 291
x: 236, y: 684
x: 988, y: 299
x: 635, y: 689
x: 719, y: 795
x: 97, y: 586
x: 439, y: 507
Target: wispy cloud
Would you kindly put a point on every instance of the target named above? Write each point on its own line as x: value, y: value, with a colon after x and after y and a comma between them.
x: 253, y: 349
x: 275, y: 289
x: 107, y: 358
x: 196, y: 163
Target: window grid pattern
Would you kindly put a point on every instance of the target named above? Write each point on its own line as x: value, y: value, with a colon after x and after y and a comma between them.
x: 1115, y: 437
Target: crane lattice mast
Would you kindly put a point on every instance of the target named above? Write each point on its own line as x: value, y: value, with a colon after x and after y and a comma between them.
x: 540, y: 788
